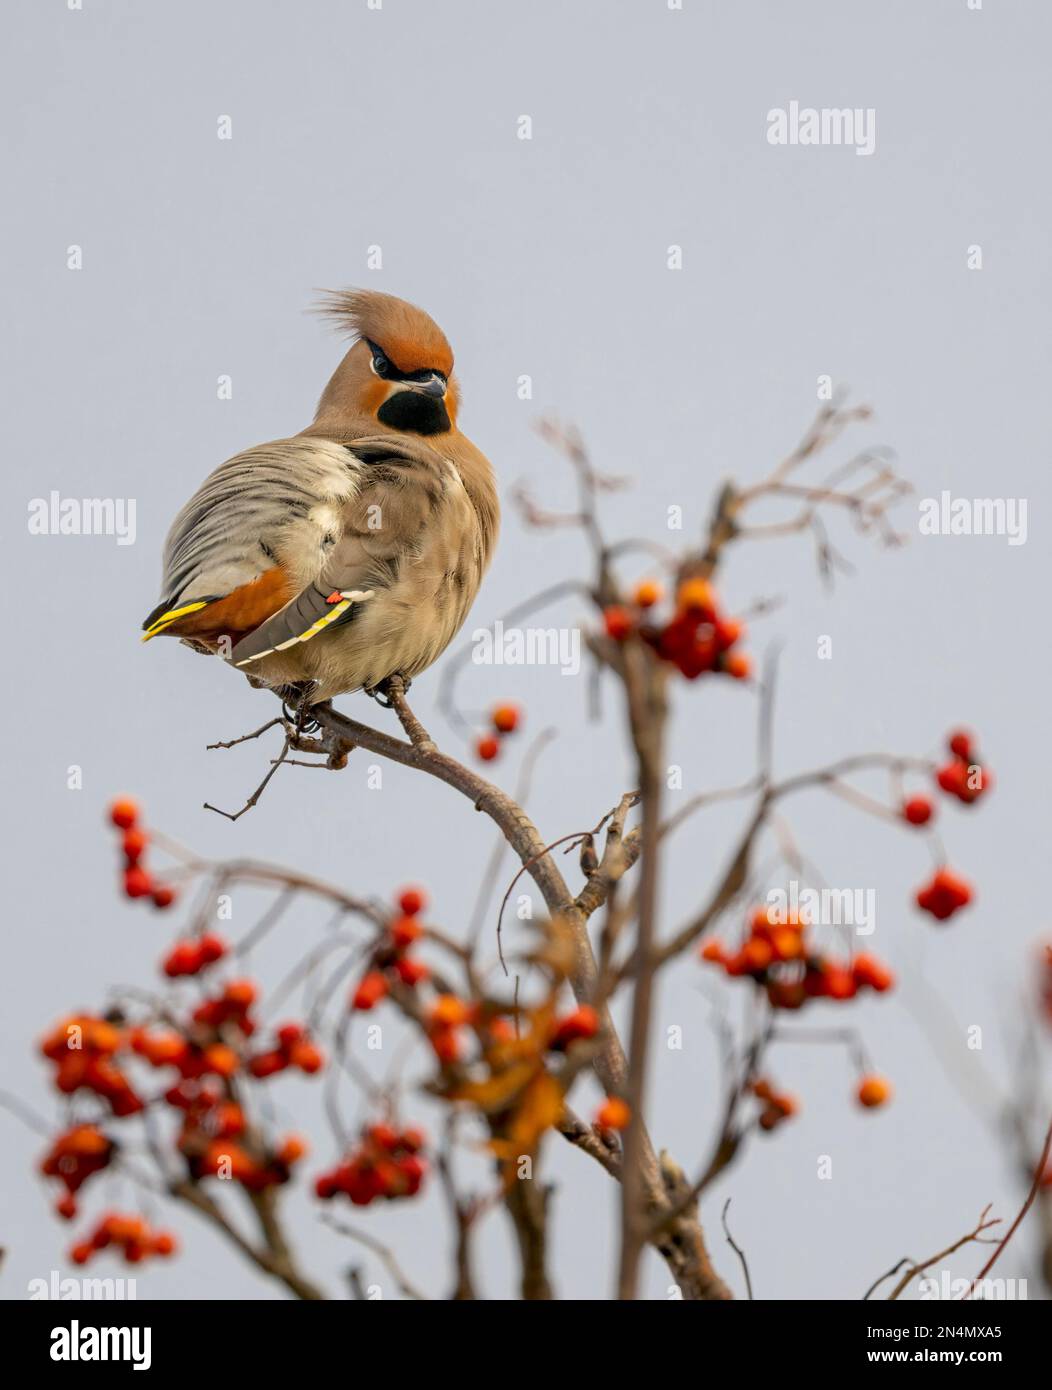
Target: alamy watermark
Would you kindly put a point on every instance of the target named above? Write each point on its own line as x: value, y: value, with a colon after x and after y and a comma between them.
x: 530, y: 646
x: 825, y: 907
x: 947, y: 515
x: 56, y: 515
x: 829, y: 125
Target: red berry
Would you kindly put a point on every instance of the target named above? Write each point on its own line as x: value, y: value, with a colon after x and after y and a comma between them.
x: 289, y: 1034
x: 124, y: 813
x: 183, y: 959
x: 618, y: 622
x: 134, y: 843
x: 917, y: 810
x: 163, y: 896
x: 212, y: 948
x: 412, y: 901
x: 404, y: 931
x: 487, y: 748
x: 67, y: 1207
x: 267, y: 1064
x: 582, y: 1023
x: 137, y: 882
x: 371, y: 989
x: 960, y: 744
x: 411, y: 972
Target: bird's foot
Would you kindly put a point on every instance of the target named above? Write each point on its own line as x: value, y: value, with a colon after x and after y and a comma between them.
x: 381, y: 692
x: 296, y: 705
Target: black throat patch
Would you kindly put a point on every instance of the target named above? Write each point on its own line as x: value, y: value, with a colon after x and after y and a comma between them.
x: 412, y: 410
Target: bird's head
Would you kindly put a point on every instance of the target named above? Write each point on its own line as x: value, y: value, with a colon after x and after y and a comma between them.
x: 399, y: 371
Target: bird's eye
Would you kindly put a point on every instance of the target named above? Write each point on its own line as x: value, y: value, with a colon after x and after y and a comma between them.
x: 381, y: 362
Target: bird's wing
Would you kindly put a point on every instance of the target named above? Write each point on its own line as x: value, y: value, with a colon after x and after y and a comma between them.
x: 233, y: 536
x: 400, y: 487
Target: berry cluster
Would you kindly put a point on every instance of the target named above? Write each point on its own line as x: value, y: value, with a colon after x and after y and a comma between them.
x: 84, y: 1049
x: 229, y: 1008
x: 505, y: 719
x: 138, y: 882
x: 193, y: 955
x: 776, y: 1105
x: 777, y: 955
x: 697, y: 639
x: 131, y: 1235
x: 73, y: 1158
x: 391, y: 960
x: 191, y: 1058
x: 385, y: 1162
x: 944, y: 895
x: 964, y: 775
x: 294, y: 1048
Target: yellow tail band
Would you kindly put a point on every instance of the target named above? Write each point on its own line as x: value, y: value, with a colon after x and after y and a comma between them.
x: 166, y: 619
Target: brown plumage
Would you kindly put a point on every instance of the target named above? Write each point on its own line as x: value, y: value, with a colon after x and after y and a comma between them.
x: 353, y: 550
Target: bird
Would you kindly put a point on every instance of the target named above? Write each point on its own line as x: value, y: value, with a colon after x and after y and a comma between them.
x: 330, y: 561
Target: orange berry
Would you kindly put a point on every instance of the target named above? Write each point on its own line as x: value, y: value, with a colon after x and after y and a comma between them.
x: 506, y: 718
x: 738, y: 665
x: 648, y: 593
x: 757, y: 954
x: 307, y: 1057
x: 404, y: 931
x: 163, y: 896
x: 124, y: 813
x: 221, y: 1060
x: 293, y: 1147
x: 787, y: 944
x: 449, y: 1012
x: 487, y: 747
x: 82, y: 1253
x: 695, y: 596
x: 714, y: 951
x: 240, y: 993
x: 613, y: 1114
x: 873, y: 1091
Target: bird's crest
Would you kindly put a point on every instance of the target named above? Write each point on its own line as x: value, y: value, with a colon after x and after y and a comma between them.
x: 410, y: 338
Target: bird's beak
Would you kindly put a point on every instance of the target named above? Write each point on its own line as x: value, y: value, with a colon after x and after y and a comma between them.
x: 435, y: 386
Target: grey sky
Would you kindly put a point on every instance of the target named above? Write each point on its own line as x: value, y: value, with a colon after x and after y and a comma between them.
x: 546, y: 257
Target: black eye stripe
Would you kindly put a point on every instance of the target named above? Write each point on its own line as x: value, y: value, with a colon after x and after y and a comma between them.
x: 385, y: 368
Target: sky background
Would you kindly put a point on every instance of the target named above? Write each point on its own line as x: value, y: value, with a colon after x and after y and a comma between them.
x: 354, y: 128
